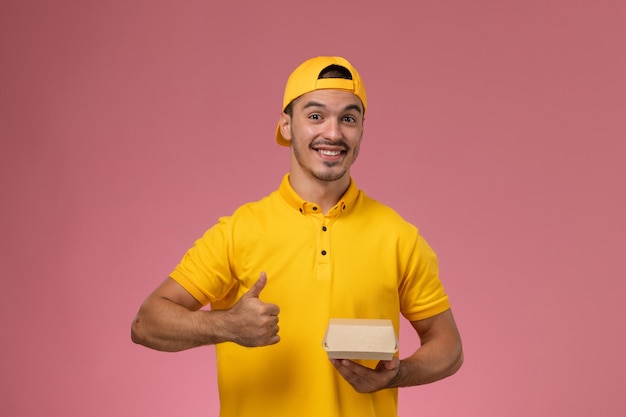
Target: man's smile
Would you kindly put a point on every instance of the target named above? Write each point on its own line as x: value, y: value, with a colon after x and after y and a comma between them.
x: 329, y: 152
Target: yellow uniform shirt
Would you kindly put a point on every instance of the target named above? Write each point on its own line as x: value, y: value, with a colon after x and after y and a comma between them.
x: 360, y: 260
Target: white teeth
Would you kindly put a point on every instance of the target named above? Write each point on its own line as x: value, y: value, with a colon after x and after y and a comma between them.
x: 329, y: 153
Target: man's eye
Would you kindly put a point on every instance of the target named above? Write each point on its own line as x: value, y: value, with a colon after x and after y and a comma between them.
x: 315, y: 117
x: 349, y: 119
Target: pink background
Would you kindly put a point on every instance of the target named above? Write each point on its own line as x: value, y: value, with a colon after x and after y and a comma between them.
x: 498, y: 127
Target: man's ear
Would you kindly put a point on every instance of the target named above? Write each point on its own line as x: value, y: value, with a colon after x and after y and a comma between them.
x: 284, y: 124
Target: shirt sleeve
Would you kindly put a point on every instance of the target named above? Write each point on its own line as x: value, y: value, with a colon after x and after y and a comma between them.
x: 422, y: 294
x: 204, y: 270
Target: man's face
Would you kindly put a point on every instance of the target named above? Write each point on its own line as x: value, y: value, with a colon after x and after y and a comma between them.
x: 325, y: 131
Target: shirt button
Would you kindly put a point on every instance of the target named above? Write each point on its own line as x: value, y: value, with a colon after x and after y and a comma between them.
x: 324, y: 252
x: 324, y: 228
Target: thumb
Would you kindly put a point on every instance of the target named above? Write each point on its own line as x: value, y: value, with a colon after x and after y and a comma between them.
x: 388, y: 365
x: 258, y: 286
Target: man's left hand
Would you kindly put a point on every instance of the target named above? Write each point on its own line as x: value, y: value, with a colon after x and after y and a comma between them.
x: 364, y: 379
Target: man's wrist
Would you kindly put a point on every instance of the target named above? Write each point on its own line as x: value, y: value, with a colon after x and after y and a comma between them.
x: 397, y: 379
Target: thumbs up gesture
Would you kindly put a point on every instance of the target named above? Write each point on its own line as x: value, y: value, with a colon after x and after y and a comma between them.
x: 253, y: 322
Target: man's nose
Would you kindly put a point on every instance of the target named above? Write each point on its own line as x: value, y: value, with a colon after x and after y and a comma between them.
x: 332, y: 130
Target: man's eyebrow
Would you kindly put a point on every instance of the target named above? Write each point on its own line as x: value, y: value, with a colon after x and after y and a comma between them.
x: 313, y: 104
x: 348, y: 107
x: 354, y: 107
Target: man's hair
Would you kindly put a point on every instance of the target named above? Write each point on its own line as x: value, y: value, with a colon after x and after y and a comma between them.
x: 335, y: 71
x: 331, y: 71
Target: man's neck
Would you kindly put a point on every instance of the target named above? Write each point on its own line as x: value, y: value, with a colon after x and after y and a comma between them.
x: 324, y: 193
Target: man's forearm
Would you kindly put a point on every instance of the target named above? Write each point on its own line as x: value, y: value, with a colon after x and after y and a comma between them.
x: 171, y: 320
x: 439, y: 356
x: 166, y: 326
x: 428, y: 364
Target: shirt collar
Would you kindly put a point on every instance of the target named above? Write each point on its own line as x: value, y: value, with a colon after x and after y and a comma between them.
x: 345, y: 203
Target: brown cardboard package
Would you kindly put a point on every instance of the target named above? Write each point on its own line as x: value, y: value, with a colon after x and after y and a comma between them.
x: 360, y: 339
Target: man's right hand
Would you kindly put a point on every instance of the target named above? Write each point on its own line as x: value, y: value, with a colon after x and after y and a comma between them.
x: 252, y: 321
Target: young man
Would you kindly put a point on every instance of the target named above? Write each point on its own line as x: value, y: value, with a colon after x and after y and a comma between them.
x: 315, y: 249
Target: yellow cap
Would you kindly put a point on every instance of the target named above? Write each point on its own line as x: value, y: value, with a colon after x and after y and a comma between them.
x: 306, y: 78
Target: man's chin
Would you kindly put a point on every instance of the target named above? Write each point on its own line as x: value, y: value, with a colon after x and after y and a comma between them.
x: 330, y: 176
